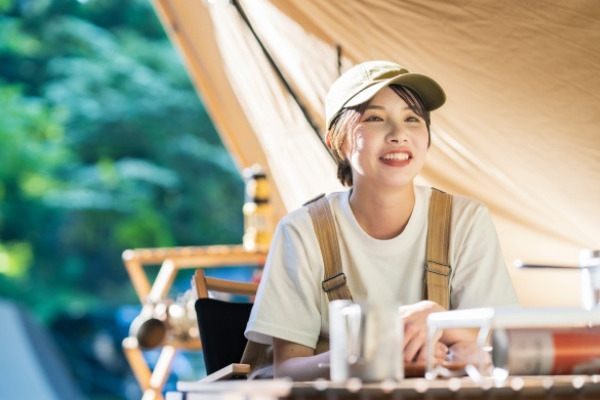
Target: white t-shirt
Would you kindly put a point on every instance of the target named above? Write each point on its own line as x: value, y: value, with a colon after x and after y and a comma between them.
x: 291, y: 305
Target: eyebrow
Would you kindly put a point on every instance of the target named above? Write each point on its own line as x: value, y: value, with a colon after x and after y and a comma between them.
x: 375, y: 106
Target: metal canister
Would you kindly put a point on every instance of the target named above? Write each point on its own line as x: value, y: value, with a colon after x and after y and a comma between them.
x: 548, y: 351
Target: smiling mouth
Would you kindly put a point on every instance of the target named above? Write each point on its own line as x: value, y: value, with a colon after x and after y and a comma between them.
x: 396, y: 157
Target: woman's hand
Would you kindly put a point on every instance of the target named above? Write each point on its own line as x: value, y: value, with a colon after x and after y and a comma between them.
x: 466, y: 353
x: 463, y: 347
x: 415, y: 332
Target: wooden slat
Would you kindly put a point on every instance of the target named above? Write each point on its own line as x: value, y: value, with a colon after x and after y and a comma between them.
x: 230, y: 371
x: 233, y: 287
x: 196, y: 256
x: 203, y: 284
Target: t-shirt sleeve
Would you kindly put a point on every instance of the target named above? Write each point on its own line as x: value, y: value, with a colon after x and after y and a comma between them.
x: 287, y: 305
x: 480, y: 277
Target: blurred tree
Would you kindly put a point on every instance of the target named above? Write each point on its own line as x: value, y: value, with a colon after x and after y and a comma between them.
x: 104, y: 146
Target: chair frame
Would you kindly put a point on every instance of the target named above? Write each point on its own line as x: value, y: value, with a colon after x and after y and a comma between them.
x: 171, y: 260
x: 202, y: 285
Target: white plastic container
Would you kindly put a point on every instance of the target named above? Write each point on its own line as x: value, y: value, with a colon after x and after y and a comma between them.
x: 589, y: 264
x: 366, y: 341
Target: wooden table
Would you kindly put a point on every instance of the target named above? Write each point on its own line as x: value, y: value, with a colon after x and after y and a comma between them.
x: 518, y: 387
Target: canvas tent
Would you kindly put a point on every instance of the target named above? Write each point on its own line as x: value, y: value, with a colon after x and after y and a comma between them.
x: 519, y: 130
x: 31, y: 366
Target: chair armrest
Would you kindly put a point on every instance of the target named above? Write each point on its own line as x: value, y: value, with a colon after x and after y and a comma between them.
x: 228, y: 372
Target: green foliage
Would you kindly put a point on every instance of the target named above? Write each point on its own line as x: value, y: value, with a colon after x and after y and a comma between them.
x: 6, y: 5
x: 104, y: 146
x: 15, y: 259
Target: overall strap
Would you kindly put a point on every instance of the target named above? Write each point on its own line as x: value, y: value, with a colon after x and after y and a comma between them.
x: 334, y: 283
x: 437, y: 266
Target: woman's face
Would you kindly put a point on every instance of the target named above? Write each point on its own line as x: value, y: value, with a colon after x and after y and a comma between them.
x: 389, y: 143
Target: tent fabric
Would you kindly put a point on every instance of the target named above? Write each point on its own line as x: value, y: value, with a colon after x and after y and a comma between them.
x: 30, y: 365
x: 518, y: 132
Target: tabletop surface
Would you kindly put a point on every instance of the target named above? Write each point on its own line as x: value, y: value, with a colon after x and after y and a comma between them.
x: 522, y: 387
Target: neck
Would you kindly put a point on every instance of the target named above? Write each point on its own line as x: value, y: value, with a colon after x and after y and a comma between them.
x: 383, y: 215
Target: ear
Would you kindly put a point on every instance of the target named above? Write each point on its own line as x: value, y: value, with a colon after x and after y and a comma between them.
x: 328, y: 139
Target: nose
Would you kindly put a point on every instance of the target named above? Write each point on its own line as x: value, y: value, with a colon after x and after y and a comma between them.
x: 397, y: 134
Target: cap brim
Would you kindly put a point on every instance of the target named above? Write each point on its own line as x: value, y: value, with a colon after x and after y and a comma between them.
x: 430, y: 91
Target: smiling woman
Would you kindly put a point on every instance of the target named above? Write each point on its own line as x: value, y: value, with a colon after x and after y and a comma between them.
x: 337, y: 137
x: 390, y: 133
x: 378, y: 130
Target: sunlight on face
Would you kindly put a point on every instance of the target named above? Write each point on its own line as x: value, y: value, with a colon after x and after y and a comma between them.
x: 389, y: 143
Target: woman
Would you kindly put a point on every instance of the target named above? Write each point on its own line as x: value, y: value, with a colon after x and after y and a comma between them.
x: 378, y: 131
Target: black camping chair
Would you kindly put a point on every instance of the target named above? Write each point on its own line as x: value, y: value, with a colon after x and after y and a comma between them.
x: 222, y: 324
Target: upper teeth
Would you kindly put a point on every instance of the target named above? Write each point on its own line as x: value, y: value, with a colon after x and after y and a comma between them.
x: 396, y: 156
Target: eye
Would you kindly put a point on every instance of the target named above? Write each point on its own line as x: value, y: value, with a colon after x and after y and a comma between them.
x: 372, y: 118
x: 413, y: 118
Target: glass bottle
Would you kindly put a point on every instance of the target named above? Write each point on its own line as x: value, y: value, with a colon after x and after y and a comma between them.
x: 258, y: 212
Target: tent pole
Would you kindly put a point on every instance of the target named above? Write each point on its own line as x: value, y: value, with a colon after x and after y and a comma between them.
x: 291, y: 91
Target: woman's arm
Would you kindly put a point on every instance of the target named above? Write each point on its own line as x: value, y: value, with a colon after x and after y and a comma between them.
x: 298, y: 362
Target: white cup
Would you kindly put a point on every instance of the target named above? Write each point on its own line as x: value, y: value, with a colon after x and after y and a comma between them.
x: 366, y: 341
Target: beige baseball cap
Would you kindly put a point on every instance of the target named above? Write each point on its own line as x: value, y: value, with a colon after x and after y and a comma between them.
x: 363, y: 81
